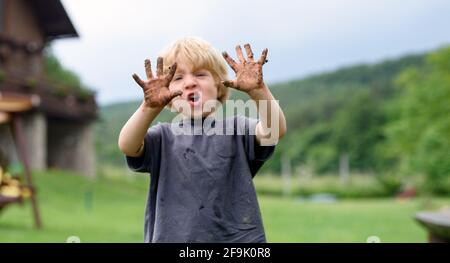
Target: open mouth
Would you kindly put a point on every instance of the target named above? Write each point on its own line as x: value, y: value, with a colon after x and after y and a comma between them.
x: 194, y: 99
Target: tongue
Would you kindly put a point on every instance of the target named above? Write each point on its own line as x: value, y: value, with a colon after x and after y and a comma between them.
x: 194, y: 97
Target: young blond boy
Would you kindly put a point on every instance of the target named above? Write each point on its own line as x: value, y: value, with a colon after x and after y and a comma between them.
x: 201, y: 186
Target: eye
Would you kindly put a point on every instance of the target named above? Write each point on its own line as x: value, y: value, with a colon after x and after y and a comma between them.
x: 201, y: 74
x: 176, y: 78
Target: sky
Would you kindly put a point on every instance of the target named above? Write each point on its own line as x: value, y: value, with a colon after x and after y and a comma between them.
x: 303, y: 37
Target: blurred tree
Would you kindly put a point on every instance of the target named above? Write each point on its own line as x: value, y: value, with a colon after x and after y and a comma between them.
x: 357, y: 129
x: 418, y: 134
x: 65, y: 79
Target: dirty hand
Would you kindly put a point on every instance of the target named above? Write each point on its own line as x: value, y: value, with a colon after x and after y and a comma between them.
x: 156, y: 90
x: 249, y: 74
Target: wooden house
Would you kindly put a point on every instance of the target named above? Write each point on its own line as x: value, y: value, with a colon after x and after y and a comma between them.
x: 59, y: 127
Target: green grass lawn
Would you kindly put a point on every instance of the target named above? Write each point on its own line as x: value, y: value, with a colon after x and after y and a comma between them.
x: 117, y: 210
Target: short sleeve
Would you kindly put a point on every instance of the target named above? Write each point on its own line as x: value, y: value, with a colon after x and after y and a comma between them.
x: 256, y: 153
x: 151, y: 153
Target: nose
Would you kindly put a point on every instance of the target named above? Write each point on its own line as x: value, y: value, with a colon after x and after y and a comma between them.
x: 189, y: 82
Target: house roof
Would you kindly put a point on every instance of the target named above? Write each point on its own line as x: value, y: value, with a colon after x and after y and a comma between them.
x: 53, y: 19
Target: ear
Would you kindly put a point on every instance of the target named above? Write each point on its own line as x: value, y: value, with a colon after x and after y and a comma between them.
x: 221, y: 91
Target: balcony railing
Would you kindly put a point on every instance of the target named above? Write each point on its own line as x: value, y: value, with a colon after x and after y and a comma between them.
x: 56, y: 99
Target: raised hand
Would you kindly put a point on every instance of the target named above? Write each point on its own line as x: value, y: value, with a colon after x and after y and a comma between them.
x: 156, y: 90
x: 249, y: 75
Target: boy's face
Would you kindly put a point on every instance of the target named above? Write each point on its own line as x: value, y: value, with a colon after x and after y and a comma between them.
x: 199, y: 90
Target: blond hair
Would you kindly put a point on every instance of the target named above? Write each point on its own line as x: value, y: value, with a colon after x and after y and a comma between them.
x: 198, y: 54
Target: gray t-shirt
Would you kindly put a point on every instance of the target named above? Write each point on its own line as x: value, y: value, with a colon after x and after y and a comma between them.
x: 201, y: 187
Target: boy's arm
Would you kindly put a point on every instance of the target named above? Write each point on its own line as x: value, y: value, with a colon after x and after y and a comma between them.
x: 157, y: 95
x: 131, y: 138
x: 272, y: 123
x: 249, y: 78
